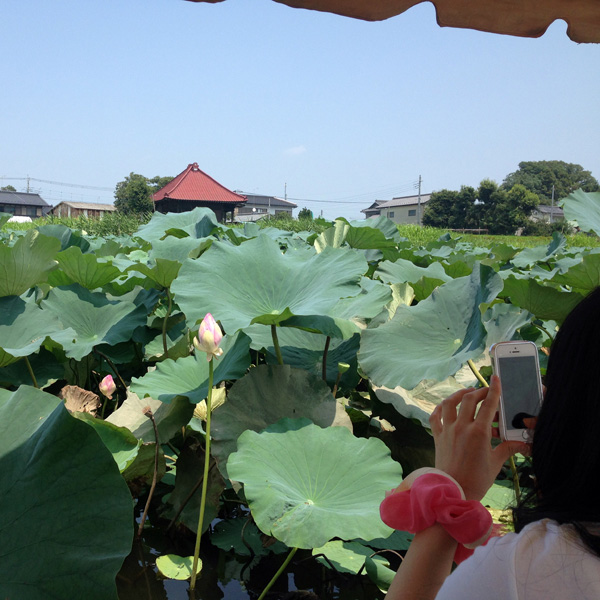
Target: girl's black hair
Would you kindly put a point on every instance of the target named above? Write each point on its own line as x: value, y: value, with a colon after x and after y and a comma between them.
x: 566, y: 443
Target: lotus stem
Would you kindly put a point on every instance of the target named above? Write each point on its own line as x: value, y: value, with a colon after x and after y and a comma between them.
x: 337, y: 382
x: 112, y: 366
x: 325, y: 351
x: 286, y: 562
x: 276, y: 344
x: 511, y: 460
x: 477, y: 374
x: 148, y: 413
x: 204, y: 477
x: 164, y: 326
x: 35, y: 383
x: 542, y: 328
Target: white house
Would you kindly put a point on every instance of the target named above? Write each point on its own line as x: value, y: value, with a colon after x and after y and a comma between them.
x: 405, y: 210
x: 258, y: 206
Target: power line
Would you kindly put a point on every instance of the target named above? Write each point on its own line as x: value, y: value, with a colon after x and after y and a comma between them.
x: 73, y: 185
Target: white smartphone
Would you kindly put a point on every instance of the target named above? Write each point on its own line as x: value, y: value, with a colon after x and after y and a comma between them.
x: 517, y: 365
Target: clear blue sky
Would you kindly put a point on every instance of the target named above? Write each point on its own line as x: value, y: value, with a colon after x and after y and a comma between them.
x: 260, y: 95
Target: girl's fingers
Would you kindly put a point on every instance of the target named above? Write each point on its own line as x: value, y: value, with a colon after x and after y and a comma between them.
x: 450, y: 404
x: 435, y: 420
x: 489, y: 407
x: 469, y: 403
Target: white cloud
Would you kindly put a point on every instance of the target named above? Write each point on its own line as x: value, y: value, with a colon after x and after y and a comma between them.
x: 295, y: 150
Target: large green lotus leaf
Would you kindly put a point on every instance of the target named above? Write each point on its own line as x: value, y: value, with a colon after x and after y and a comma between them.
x: 404, y: 271
x: 256, y: 283
x: 44, y: 364
x: 433, y: 339
x: 267, y: 394
x: 385, y: 225
x: 502, y: 321
x: 585, y: 275
x: 58, y: 482
x: 545, y: 302
x: 244, y: 538
x: 349, y: 315
x: 304, y: 350
x: 189, y: 376
x: 334, y: 237
x: 23, y: 328
x: 500, y: 496
x: 94, y: 318
x: 197, y: 223
x: 306, y: 485
x: 584, y: 208
x: 120, y: 442
x: 418, y: 403
x: 84, y: 269
x: 529, y: 256
x: 163, y: 272
x: 170, y: 418
x: 66, y: 236
x: 178, y: 249
x: 27, y: 263
x: 183, y: 503
x: 345, y: 557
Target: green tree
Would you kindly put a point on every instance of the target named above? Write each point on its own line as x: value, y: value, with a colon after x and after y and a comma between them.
x: 539, y: 177
x: 450, y: 209
x: 8, y: 188
x: 133, y: 195
x: 305, y: 213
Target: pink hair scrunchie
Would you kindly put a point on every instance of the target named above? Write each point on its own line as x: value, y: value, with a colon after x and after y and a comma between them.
x: 429, y: 496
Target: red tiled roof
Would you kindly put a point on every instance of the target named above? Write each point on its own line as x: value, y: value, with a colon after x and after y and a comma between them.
x: 194, y: 184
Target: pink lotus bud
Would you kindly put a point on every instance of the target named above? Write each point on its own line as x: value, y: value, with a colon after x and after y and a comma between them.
x: 107, y: 386
x: 209, y: 338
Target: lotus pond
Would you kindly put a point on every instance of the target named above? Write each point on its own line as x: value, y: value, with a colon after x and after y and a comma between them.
x: 337, y: 347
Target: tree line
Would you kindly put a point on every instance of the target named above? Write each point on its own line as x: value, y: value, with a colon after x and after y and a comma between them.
x: 505, y: 208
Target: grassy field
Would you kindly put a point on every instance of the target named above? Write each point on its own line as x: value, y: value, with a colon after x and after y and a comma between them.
x: 120, y: 224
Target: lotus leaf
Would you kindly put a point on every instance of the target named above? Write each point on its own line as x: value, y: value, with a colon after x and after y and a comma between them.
x: 66, y: 236
x: 404, y: 271
x: 583, y: 208
x: 27, y: 263
x: 306, y: 485
x: 121, y: 443
x: 172, y: 566
x: 543, y: 301
x: 345, y: 557
x: 183, y: 505
x: 383, y: 224
x: 163, y: 272
x: 267, y: 394
x: 433, y: 339
x: 256, y: 283
x: 197, y: 223
x: 379, y: 573
x: 529, y: 256
x: 419, y: 402
x: 585, y: 275
x: 58, y: 482
x: 84, y: 269
x: 95, y: 319
x: 244, y: 538
x: 169, y: 418
x: 304, y: 350
x: 24, y: 327
x: 502, y: 321
x: 189, y: 376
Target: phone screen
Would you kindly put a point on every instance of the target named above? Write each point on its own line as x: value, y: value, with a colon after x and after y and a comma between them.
x: 520, y: 391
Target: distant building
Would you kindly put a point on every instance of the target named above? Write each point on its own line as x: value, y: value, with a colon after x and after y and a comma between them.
x: 192, y: 188
x: 258, y: 206
x: 81, y: 209
x: 403, y: 210
x: 23, y: 204
x: 547, y: 214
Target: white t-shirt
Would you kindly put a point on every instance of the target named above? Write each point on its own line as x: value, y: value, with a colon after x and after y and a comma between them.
x: 545, y: 561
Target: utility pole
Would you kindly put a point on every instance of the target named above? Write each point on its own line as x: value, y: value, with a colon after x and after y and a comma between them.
x: 552, y: 207
x: 285, y: 192
x: 419, y: 204
x: 28, y: 184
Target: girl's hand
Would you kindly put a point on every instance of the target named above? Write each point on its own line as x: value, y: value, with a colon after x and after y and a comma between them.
x: 463, y: 446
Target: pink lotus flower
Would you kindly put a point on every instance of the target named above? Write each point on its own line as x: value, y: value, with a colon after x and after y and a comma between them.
x: 107, y: 386
x: 209, y: 338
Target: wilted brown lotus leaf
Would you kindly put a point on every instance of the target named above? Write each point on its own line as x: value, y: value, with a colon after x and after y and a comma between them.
x: 79, y: 400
